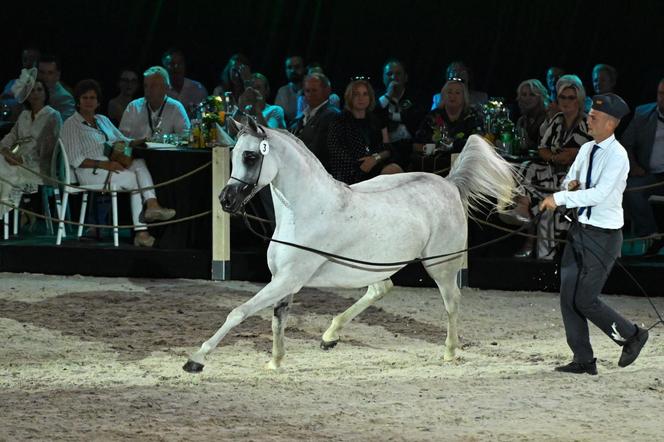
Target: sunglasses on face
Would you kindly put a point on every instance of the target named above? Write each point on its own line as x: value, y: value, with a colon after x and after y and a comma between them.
x: 458, y: 79
x: 360, y: 78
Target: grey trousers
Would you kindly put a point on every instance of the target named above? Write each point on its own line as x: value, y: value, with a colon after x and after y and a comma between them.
x: 587, y: 261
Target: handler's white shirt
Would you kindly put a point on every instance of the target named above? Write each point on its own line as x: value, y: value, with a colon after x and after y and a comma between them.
x: 135, y: 124
x: 608, y: 181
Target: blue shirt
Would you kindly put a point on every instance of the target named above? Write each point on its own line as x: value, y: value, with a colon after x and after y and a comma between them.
x: 608, y: 181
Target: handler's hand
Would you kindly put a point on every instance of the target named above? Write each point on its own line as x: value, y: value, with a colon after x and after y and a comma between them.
x: 548, y: 204
x: 573, y: 185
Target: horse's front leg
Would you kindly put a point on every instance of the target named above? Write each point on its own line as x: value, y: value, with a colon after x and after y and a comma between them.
x: 278, y: 326
x: 374, y: 293
x: 271, y: 294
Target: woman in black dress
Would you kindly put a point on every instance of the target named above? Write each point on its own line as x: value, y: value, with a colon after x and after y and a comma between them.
x: 357, y: 140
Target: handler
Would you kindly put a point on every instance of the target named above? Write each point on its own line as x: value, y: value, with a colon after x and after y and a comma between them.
x: 594, y: 242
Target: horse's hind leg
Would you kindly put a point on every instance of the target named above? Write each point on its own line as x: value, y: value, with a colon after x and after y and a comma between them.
x: 278, y: 326
x: 445, y: 276
x: 374, y: 293
x: 271, y: 294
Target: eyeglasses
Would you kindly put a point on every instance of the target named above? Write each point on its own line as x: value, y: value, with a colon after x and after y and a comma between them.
x: 357, y: 78
x: 129, y: 80
x: 457, y: 79
x: 567, y: 97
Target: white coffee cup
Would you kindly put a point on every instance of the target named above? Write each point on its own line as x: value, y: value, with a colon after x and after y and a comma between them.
x: 429, y: 148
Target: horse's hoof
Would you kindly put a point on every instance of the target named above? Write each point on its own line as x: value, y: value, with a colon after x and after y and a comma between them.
x: 192, y: 367
x: 328, y: 345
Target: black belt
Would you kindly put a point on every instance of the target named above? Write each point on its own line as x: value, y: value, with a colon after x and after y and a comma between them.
x: 597, y: 229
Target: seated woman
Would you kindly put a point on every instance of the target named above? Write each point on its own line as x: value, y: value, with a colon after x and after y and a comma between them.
x: 563, y: 136
x: 35, y: 132
x: 531, y: 96
x: 451, y: 123
x: 253, y: 101
x: 233, y: 77
x: 357, y: 140
x: 84, y: 135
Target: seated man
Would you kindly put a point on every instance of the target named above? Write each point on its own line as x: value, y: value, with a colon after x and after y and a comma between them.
x: 287, y: 94
x: 312, y: 127
x: 400, y: 111
x: 188, y: 92
x: 644, y: 141
x: 156, y: 113
x: 59, y: 98
x: 315, y: 68
x: 604, y: 78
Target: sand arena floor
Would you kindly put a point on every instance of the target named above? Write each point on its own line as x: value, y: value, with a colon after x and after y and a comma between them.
x: 100, y: 359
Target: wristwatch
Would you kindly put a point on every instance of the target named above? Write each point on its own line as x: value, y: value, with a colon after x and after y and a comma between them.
x: 377, y: 157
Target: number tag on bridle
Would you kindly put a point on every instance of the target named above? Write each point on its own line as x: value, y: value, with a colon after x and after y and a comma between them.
x: 264, y: 147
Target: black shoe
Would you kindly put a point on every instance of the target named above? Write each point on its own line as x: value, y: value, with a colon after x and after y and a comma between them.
x: 633, y: 347
x: 579, y: 367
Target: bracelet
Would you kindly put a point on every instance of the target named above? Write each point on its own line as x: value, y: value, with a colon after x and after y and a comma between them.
x: 377, y: 157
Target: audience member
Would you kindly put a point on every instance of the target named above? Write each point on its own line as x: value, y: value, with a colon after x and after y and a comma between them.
x: 187, y: 91
x: 563, y: 136
x: 531, y: 96
x: 553, y: 74
x: 29, y: 59
x: 315, y: 68
x: 36, y: 131
x: 60, y: 99
x: 604, y: 78
x: 233, y: 77
x: 644, y: 141
x: 128, y: 86
x: 358, y: 140
x: 287, y: 94
x: 156, y: 113
x: 85, y: 135
x: 400, y: 110
x: 253, y: 102
x: 458, y: 69
x: 312, y: 127
x: 454, y: 119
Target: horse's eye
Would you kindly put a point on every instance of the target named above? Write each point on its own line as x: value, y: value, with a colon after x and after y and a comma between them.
x: 249, y: 158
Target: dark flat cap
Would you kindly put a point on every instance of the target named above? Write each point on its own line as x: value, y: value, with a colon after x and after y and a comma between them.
x: 610, y: 104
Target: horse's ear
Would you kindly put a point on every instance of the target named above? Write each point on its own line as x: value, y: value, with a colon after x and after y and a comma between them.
x: 234, y: 127
x: 253, y: 128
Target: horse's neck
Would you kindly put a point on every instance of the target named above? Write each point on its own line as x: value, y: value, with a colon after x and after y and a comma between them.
x: 301, y: 180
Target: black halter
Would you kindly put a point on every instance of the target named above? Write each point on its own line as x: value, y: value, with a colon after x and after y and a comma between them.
x: 263, y: 137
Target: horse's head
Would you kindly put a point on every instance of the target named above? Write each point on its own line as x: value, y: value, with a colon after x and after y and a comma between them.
x: 252, y: 166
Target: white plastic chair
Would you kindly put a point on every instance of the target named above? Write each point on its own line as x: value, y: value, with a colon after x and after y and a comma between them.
x: 65, y: 174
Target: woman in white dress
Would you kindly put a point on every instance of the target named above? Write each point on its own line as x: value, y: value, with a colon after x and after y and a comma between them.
x: 29, y: 143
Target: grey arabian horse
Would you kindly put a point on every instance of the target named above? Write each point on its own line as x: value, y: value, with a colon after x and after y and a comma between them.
x: 389, y: 218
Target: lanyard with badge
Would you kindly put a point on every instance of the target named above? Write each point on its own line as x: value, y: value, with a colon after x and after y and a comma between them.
x: 155, y: 129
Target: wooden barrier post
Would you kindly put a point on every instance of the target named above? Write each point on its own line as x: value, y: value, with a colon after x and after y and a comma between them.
x: 221, y: 225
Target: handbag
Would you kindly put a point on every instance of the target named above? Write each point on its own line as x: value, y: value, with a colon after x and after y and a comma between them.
x: 119, y: 151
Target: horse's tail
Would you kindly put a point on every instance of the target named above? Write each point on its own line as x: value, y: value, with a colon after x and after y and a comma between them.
x: 480, y: 173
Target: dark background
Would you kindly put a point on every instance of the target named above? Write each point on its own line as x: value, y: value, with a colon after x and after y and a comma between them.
x: 503, y: 41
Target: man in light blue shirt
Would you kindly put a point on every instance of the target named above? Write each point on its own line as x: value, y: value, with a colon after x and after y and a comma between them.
x: 595, y: 184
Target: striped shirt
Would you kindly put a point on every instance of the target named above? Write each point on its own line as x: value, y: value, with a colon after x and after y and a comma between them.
x: 557, y: 137
x: 82, y: 141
